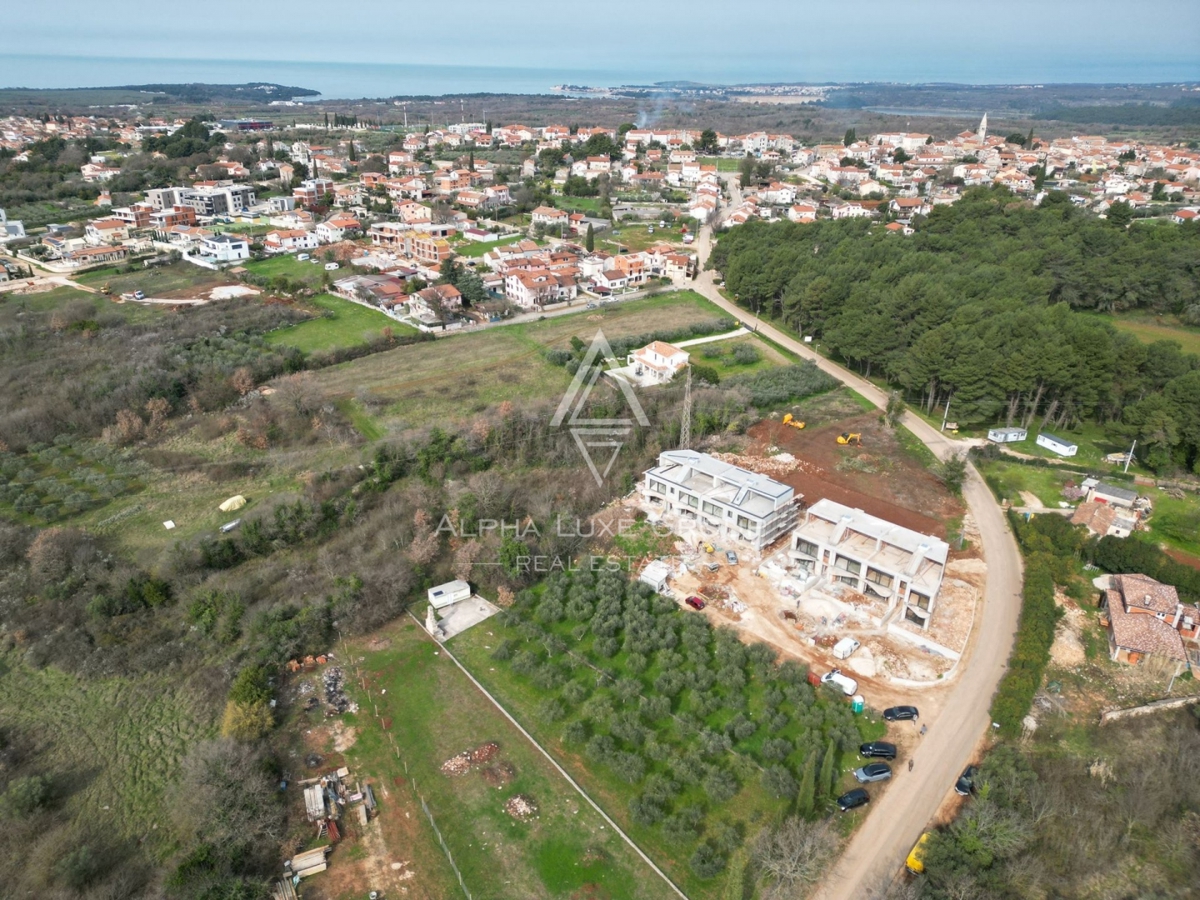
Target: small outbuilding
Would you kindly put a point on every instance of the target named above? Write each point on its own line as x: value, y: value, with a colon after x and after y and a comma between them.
x: 1058, y: 445
x: 656, y: 575
x: 1112, y: 495
x: 450, y: 592
x: 1007, y: 435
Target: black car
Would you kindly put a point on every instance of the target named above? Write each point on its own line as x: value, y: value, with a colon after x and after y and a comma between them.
x: 853, y: 799
x: 966, y: 781
x: 878, y: 750
x: 901, y: 713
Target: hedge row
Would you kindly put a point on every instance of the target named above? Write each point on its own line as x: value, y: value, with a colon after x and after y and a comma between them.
x: 1031, y: 653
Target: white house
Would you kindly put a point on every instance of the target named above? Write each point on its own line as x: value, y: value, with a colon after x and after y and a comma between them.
x: 658, y: 361
x: 656, y: 574
x: 225, y: 248
x: 288, y: 241
x: 719, y: 499
x: 873, y: 556
x: 1007, y: 435
x: 1058, y: 445
x: 450, y: 592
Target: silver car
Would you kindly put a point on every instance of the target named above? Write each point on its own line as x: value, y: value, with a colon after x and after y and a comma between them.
x: 873, y: 772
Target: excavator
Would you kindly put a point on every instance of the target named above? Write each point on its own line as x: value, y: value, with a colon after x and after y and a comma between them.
x: 847, y: 437
x: 789, y: 419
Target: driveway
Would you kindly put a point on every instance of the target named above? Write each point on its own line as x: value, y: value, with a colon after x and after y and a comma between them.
x: 899, y: 814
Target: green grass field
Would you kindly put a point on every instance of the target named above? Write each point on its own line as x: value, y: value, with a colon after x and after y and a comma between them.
x: 114, y: 744
x: 342, y: 324
x: 433, y: 713
x: 639, y: 237
x: 1010, y: 478
x: 1148, y: 332
x: 476, y: 249
x: 177, y: 280
x: 723, y: 164
x: 454, y: 379
x: 726, y: 365
x: 311, y: 273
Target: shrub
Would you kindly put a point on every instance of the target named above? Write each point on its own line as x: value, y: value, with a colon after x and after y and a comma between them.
x: 26, y: 796
x: 746, y: 354
x: 707, y: 862
x: 246, y: 721
x: 1031, y: 652
x: 782, y: 385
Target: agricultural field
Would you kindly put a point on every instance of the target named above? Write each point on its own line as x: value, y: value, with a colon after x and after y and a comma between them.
x: 341, y: 323
x: 286, y: 264
x: 64, y: 479
x: 413, y: 386
x: 690, y: 739
x: 430, y: 712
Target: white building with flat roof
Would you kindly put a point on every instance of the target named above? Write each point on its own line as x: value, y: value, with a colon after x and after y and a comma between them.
x: 719, y: 499
x: 873, y: 556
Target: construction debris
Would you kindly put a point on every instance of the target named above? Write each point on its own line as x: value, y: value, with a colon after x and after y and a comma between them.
x: 462, y: 763
x: 335, y: 693
x: 309, y: 862
x: 522, y: 806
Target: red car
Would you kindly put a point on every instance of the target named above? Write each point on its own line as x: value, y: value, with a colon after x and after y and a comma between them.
x: 694, y: 602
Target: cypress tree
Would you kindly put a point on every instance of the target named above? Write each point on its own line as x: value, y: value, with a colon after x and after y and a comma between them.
x: 825, y: 782
x: 590, y: 240
x: 806, y: 798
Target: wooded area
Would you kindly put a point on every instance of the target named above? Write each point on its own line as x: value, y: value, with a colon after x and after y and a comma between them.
x: 986, y: 307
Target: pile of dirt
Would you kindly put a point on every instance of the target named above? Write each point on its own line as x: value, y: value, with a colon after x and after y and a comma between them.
x: 459, y: 764
x: 521, y: 807
x: 499, y: 775
x: 462, y: 763
x: 335, y: 692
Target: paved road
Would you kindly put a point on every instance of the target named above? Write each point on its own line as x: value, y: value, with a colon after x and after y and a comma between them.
x: 900, y: 813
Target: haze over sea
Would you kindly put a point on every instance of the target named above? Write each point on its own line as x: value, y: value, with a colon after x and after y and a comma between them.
x: 383, y: 48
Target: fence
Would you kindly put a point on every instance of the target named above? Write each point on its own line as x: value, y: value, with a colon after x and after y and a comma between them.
x: 411, y: 781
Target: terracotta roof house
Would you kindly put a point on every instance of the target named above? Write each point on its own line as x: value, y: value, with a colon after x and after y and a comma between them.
x: 1145, y: 618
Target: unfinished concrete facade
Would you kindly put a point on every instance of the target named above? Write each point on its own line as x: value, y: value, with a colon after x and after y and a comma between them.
x: 873, y: 556
x: 718, y: 499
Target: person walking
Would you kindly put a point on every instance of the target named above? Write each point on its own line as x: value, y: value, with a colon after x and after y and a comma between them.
x: 923, y: 731
x: 910, y: 765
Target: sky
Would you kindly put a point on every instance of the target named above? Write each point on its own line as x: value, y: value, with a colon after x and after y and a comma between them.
x: 704, y: 40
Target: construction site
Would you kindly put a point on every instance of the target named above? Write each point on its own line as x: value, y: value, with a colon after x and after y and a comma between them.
x: 886, y: 519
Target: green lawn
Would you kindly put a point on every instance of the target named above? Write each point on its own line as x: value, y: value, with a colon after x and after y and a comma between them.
x: 1008, y: 479
x: 724, y: 164
x: 726, y: 364
x: 476, y: 249
x: 341, y: 324
x: 433, y: 712
x: 639, y: 237
x: 290, y: 267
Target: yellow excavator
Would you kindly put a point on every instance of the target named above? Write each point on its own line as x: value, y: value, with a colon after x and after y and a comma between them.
x: 847, y: 437
x: 789, y: 419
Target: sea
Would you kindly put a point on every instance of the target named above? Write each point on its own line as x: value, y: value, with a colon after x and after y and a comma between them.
x: 352, y: 80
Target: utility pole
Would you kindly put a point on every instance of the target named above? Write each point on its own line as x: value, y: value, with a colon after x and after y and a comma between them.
x: 685, y: 428
x: 946, y: 414
x: 1129, y: 456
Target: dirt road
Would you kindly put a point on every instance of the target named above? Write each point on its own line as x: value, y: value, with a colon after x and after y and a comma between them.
x: 898, y: 816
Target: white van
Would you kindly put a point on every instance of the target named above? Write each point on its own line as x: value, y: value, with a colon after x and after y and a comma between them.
x: 846, y: 646
x: 848, y: 686
x: 331, y: 267
x: 303, y: 257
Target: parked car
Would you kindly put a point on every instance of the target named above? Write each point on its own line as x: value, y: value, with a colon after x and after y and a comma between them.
x: 878, y: 750
x: 901, y: 713
x: 853, y: 799
x: 966, y: 781
x: 139, y: 295
x: 915, y: 862
x: 731, y: 557
x: 694, y: 602
x: 712, y: 566
x: 590, y: 306
x: 847, y: 685
x: 872, y: 772
x: 303, y: 257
